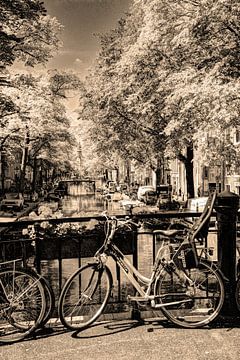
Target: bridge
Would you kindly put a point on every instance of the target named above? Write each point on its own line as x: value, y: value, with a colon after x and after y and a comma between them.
x: 77, y: 239
x: 121, y: 336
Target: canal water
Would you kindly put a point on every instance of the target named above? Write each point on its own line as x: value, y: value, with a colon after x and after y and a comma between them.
x: 81, y: 199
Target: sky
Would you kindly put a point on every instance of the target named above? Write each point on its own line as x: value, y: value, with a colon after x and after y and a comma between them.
x: 81, y: 20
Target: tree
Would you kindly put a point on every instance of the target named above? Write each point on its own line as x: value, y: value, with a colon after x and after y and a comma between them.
x: 40, y: 125
x: 119, y: 117
x: 205, y: 97
x: 144, y: 91
x: 26, y: 32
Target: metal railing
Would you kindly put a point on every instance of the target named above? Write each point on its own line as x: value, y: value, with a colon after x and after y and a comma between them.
x: 56, y: 255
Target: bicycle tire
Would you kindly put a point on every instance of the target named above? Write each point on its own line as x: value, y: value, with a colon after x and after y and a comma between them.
x: 79, y: 308
x: 50, y: 302
x: 49, y: 298
x: 237, y: 293
x: 22, y: 304
x: 201, y: 304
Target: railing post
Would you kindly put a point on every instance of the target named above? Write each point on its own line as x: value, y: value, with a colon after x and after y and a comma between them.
x: 38, y: 239
x: 227, y: 205
x: 135, y: 311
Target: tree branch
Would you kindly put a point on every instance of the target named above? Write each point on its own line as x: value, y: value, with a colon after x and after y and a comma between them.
x: 146, y: 129
x: 6, y: 137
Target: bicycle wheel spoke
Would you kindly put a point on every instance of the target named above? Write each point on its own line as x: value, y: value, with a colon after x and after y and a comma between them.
x: 191, y: 305
x: 84, y: 296
x: 24, y: 304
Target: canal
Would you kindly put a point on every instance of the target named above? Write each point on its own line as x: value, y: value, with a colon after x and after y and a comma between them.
x: 81, y: 199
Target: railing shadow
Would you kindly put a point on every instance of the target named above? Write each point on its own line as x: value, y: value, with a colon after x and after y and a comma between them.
x: 111, y: 327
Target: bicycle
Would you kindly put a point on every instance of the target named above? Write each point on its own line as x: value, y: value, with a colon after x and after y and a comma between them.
x: 27, y: 300
x: 189, y: 290
x: 32, y: 232
x: 22, y: 302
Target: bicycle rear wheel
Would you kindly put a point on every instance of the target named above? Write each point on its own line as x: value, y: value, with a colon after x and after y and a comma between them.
x: 22, y: 304
x: 237, y: 293
x: 84, y: 296
x: 49, y: 297
x: 192, y: 306
x: 50, y: 302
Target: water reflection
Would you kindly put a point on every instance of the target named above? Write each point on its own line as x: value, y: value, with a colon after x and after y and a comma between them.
x: 82, y: 199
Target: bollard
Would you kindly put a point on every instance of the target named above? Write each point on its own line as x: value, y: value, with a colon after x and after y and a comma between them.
x: 227, y: 204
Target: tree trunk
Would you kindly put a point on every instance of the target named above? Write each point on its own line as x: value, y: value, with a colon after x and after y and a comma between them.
x: 127, y: 174
x: 159, y: 172
x: 158, y: 176
x: 2, y: 172
x: 189, y: 172
x: 188, y: 162
x: 34, y: 174
x: 24, y: 162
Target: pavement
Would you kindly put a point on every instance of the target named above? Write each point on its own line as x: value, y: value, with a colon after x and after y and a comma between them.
x: 129, y: 340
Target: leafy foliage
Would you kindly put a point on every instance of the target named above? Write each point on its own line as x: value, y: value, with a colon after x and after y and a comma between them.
x: 165, y: 78
x: 26, y: 32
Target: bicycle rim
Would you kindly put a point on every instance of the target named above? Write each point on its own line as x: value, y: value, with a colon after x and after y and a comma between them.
x: 197, y: 305
x: 22, y: 304
x: 84, y: 296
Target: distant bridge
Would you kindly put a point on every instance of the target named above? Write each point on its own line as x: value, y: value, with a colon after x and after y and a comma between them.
x: 78, y: 180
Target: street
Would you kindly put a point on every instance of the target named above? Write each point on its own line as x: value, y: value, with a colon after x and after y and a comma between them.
x: 127, y: 339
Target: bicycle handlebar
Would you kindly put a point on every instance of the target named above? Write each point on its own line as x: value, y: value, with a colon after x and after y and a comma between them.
x: 123, y: 222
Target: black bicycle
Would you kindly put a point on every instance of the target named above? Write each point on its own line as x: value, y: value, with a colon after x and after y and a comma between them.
x: 187, y: 288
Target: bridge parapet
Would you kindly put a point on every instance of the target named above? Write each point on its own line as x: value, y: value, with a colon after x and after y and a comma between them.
x: 66, y: 243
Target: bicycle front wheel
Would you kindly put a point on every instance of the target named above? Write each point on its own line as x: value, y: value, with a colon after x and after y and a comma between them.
x: 84, y: 296
x: 22, y: 304
x: 191, y: 305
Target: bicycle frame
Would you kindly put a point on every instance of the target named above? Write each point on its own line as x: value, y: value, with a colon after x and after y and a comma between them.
x: 134, y: 276
x: 130, y: 271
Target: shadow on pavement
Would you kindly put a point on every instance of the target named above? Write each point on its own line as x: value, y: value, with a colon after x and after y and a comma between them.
x: 112, y: 327
x: 106, y: 329
x: 45, y: 332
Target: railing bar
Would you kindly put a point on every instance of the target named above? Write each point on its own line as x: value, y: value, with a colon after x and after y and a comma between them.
x: 60, y: 265
x: 163, y: 215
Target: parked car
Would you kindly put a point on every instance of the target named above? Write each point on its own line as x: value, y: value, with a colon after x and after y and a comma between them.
x: 147, y: 194
x: 13, y: 201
